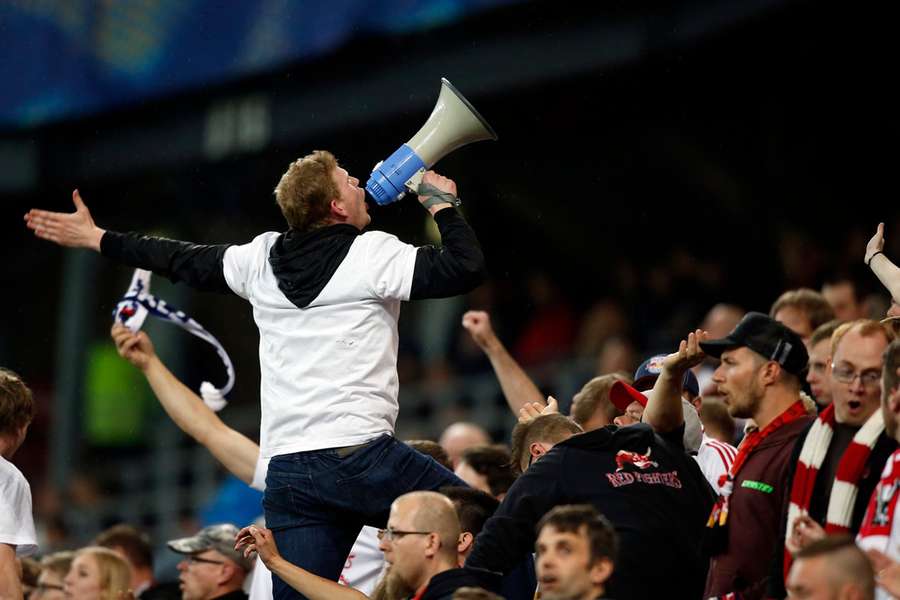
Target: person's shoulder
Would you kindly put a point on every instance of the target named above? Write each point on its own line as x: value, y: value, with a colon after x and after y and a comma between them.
x: 10, y: 475
x: 374, y: 236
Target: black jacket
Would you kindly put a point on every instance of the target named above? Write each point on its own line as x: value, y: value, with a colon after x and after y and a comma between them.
x: 443, y: 585
x: 658, y: 504
x: 303, y: 263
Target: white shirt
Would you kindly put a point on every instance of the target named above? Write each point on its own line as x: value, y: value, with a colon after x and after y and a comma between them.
x: 16, y: 520
x: 328, y: 371
x: 715, y: 459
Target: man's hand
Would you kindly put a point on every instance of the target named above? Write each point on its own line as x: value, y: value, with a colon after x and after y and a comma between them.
x: 136, y: 348
x: 887, y: 571
x: 75, y: 230
x: 804, y: 532
x: 533, y: 410
x: 876, y: 244
x: 260, y: 540
x: 478, y: 324
x: 689, y: 355
x: 440, y: 182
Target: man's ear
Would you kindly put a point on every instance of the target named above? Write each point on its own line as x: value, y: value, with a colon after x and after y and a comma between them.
x: 229, y: 570
x: 770, y: 373
x: 337, y: 209
x: 537, y: 450
x: 601, y: 570
x: 465, y: 543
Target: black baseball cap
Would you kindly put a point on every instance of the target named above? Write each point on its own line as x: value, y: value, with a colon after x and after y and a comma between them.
x: 766, y: 336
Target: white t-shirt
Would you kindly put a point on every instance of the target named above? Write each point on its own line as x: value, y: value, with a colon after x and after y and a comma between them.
x: 328, y: 371
x: 16, y: 520
x: 715, y: 459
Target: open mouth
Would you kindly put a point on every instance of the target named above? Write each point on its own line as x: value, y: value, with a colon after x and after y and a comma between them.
x: 854, y: 405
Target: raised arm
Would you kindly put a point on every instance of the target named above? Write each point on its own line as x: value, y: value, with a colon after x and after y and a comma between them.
x: 260, y: 540
x: 518, y: 388
x: 664, y: 411
x: 458, y: 266
x: 200, y: 266
x: 886, y: 271
x: 238, y: 453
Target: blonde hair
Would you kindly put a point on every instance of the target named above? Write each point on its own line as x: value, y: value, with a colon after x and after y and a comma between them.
x: 866, y: 327
x: 115, y: 574
x: 306, y: 189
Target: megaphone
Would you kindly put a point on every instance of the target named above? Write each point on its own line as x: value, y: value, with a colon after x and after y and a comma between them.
x: 453, y: 123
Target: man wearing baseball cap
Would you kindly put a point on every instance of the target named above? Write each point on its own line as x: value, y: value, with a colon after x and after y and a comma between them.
x: 760, y: 375
x: 714, y: 457
x: 212, y: 568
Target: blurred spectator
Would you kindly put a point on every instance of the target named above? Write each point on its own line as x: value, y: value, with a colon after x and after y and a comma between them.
x: 487, y: 468
x: 432, y: 449
x: 50, y: 581
x: 471, y: 593
x: 616, y: 354
x: 212, y: 568
x: 604, y: 320
x: 17, y: 537
x: 135, y: 546
x: 550, y: 330
x: 473, y: 508
x: 833, y: 567
x: 818, y: 376
x: 717, y: 423
x: 576, y: 552
x: 97, y: 574
x: 842, y: 294
x: 459, y: 436
x: 718, y: 322
x: 31, y: 571
x: 802, y: 311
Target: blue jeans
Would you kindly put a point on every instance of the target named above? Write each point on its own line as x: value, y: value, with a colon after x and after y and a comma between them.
x: 316, y: 502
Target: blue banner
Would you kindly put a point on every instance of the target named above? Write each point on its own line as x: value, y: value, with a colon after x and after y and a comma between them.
x: 68, y: 58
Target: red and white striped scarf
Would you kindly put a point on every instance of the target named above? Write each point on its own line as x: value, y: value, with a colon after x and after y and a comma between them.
x: 849, y: 470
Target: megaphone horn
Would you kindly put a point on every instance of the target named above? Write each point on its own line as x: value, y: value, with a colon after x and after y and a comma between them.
x: 453, y: 123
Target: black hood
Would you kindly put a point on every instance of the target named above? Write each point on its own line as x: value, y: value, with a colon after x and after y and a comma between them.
x: 303, y: 263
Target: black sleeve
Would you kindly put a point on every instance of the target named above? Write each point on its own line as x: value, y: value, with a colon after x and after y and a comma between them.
x: 674, y: 437
x: 199, y: 266
x: 456, y: 268
x: 508, y: 536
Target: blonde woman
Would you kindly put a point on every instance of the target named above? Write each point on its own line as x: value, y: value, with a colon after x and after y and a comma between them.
x: 97, y: 574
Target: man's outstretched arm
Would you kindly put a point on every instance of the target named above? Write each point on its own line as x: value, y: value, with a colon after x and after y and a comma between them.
x: 518, y: 388
x: 200, y: 266
x: 238, y: 453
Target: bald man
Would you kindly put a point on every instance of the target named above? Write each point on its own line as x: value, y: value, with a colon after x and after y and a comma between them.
x: 833, y: 567
x: 420, y: 545
x: 459, y: 437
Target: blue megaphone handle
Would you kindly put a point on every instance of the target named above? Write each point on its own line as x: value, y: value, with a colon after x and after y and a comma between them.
x: 387, y: 182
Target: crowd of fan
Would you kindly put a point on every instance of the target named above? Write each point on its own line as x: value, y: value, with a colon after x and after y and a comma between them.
x: 755, y: 461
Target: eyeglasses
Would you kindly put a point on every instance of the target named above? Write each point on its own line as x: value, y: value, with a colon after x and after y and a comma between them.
x: 845, y: 374
x: 191, y: 560
x: 391, y: 534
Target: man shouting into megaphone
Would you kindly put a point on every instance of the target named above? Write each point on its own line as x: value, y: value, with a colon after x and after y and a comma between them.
x: 326, y: 299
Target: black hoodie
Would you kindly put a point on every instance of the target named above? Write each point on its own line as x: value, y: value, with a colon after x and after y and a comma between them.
x: 646, y: 485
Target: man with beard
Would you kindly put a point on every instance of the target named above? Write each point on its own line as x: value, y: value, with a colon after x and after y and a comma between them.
x: 762, y: 365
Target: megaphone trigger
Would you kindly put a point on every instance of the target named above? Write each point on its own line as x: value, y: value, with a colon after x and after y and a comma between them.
x: 412, y: 184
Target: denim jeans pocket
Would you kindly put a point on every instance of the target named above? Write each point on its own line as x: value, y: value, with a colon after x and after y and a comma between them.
x: 364, y: 463
x: 281, y: 510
